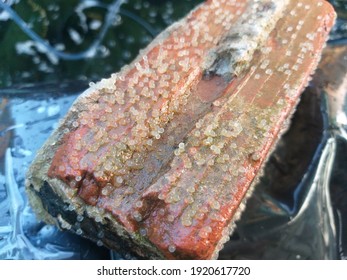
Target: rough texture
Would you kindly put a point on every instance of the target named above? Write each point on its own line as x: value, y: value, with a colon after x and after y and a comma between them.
x: 158, y: 158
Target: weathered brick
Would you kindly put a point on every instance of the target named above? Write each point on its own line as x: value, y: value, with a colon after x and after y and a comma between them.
x: 158, y: 159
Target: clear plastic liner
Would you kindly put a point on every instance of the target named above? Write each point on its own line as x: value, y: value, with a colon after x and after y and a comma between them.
x: 27, y: 117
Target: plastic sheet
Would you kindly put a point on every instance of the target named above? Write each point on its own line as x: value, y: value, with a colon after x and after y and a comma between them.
x: 28, y: 116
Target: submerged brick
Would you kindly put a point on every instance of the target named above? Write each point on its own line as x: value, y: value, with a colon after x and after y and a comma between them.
x: 159, y: 158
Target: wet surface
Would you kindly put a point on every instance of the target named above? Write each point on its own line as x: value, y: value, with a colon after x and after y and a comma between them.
x: 306, y: 219
x: 27, y: 121
x: 78, y: 39
x: 295, y: 222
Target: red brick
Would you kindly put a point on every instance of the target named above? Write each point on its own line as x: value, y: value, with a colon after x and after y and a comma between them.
x: 168, y: 148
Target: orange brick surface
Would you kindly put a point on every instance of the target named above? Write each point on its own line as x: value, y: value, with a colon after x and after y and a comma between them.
x: 163, y: 153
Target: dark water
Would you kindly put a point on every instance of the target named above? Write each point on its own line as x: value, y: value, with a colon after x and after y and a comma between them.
x: 299, y: 210
x: 81, y: 40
